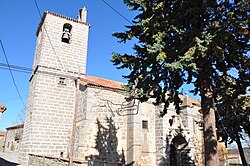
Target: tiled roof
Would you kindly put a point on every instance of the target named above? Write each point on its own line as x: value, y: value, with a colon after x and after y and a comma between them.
x: 190, y: 101
x: 15, y: 127
x: 2, y: 133
x: 101, y: 82
x: 91, y: 80
x: 57, y: 15
x: 2, y: 108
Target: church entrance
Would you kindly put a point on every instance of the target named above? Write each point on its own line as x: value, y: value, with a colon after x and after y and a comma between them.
x: 179, y: 153
x: 173, y: 155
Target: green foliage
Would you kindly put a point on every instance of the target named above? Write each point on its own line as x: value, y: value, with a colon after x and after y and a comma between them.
x: 232, y: 115
x: 192, y: 42
x: 178, y: 40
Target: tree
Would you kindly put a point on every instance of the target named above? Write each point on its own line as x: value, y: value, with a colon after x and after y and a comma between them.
x: 186, y: 42
x: 232, y: 115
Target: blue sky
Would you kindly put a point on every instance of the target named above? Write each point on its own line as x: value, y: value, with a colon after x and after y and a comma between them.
x: 19, y: 21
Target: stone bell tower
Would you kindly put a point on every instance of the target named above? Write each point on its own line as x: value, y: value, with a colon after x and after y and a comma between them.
x: 60, y: 56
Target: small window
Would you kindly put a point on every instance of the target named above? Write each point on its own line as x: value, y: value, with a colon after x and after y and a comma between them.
x: 144, y: 124
x: 62, y: 81
x: 66, y: 35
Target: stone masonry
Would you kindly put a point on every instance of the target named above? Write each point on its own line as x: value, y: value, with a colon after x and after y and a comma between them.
x: 139, y: 135
x: 143, y: 145
x: 13, y: 137
x: 49, y: 113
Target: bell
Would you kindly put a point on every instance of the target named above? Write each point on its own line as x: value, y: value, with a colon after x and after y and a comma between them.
x: 66, y: 36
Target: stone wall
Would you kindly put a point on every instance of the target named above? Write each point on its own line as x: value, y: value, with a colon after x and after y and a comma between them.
x: 38, y: 160
x: 141, y: 134
x: 50, y: 108
x: 99, y: 104
x: 12, y: 139
x: 52, y: 52
x: 146, y: 114
x: 143, y: 145
x: 2, y: 143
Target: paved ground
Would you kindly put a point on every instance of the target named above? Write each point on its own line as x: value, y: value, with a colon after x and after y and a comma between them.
x: 8, y: 159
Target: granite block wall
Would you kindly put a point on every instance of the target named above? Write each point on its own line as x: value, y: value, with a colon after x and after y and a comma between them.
x: 51, y: 101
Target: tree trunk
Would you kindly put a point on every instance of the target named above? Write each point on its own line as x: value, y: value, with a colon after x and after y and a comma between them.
x: 242, y: 156
x: 210, y: 138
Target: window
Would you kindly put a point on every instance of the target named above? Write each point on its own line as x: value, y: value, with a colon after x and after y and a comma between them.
x: 17, y: 137
x: 66, y: 35
x: 144, y: 124
x: 62, y: 81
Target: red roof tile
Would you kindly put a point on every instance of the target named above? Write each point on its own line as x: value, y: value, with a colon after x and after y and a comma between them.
x: 15, y: 127
x: 190, y: 101
x: 118, y: 85
x: 2, y: 133
x: 102, y: 82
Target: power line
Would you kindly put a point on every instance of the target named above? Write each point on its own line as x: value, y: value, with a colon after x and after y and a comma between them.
x: 15, y: 68
x: 117, y: 12
x: 12, y: 76
x: 38, y: 10
x: 4, y: 100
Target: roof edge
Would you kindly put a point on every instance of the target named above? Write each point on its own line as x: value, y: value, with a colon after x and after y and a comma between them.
x: 15, y: 127
x: 102, y: 82
x: 115, y: 85
x: 57, y: 15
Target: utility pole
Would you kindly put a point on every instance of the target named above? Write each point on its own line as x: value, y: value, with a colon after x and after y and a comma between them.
x: 71, y: 155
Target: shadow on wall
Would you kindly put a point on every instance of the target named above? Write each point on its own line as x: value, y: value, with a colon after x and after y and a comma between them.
x: 4, y: 162
x: 106, y: 145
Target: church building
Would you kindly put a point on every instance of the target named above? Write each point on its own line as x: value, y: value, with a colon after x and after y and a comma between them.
x: 108, y: 126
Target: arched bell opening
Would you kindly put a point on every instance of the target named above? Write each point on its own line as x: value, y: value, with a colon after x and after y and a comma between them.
x: 66, y: 35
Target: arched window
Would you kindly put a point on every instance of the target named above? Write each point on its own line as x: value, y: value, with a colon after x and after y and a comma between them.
x: 66, y: 35
x: 179, y: 151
